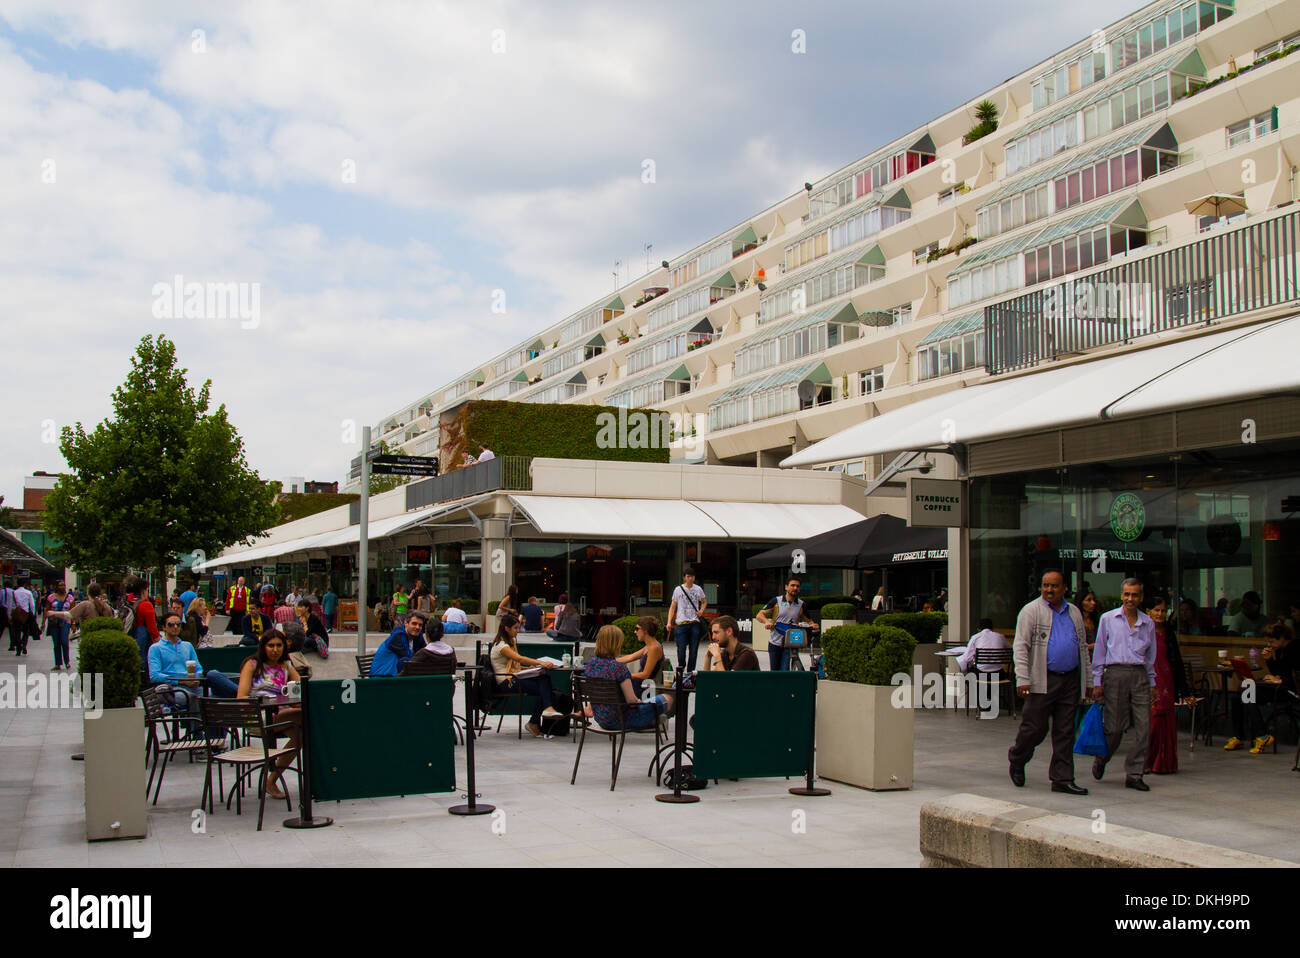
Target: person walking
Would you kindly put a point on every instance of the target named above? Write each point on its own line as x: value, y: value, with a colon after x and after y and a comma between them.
x: 684, y: 619
x: 6, y: 607
x: 329, y: 604
x: 1170, y: 689
x: 57, y: 625
x: 1052, y: 672
x: 1123, y: 673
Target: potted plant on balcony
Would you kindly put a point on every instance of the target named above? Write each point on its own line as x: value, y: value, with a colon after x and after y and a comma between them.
x: 108, y: 661
x: 864, y: 733
x: 986, y: 121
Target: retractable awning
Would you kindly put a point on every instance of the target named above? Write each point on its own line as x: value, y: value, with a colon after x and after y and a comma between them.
x: 864, y: 544
x: 1175, y: 375
x: 679, y: 518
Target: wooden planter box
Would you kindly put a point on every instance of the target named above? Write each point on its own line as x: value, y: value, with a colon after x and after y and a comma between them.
x: 862, y: 739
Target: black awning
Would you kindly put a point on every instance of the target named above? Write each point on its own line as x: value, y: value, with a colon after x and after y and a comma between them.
x: 878, y: 541
x: 13, y: 549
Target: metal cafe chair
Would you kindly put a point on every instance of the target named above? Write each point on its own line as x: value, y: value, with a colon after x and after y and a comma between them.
x: 1002, y: 659
x: 242, y: 715
x: 590, y: 691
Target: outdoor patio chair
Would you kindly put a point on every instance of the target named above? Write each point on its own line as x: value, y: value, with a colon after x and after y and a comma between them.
x: 242, y: 715
x: 589, y: 691
x: 487, y: 695
x: 363, y: 663
x: 1200, y: 687
x: 438, y: 668
x: 170, y: 733
x: 1002, y: 659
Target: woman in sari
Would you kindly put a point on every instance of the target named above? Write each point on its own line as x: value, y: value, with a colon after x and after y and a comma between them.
x: 1170, y: 689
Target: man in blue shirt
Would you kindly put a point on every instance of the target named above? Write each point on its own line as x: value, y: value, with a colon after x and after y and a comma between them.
x: 188, y: 596
x: 1123, y: 672
x: 329, y: 602
x: 168, y: 663
x: 393, y: 654
x: 1051, y: 658
x: 531, y: 613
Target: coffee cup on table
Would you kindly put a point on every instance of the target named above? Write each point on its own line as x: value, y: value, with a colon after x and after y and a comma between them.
x: 191, y: 666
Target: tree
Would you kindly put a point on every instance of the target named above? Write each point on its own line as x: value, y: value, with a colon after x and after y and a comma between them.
x: 986, y: 115
x: 6, y: 515
x: 380, y: 484
x: 162, y: 476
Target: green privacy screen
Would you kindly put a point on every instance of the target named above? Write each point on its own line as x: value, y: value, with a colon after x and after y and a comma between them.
x: 373, y: 737
x: 753, y: 724
x: 229, y: 658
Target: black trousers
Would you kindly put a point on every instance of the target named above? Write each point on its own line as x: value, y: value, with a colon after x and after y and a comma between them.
x: 1057, y: 705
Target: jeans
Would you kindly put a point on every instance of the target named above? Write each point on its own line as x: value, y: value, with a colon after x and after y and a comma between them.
x: 540, y: 686
x: 143, y: 642
x: 59, y: 638
x: 778, y: 657
x: 687, y: 634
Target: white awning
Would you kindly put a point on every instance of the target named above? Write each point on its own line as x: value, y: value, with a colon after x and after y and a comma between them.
x: 780, y: 521
x: 617, y: 518
x: 1142, y: 380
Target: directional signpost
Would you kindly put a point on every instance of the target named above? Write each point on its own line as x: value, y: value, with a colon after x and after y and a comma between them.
x: 404, y: 465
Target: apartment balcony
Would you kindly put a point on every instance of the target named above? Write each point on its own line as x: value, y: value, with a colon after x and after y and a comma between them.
x: 1227, y: 273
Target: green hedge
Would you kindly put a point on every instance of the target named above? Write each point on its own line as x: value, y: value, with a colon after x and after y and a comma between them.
x: 840, y: 610
x: 816, y: 603
x: 493, y: 605
x: 922, y: 626
x: 107, y: 651
x: 470, y: 606
x: 628, y: 624
x: 560, y: 430
x: 867, y: 654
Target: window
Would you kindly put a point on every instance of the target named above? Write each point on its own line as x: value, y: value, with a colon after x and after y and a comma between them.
x: 1253, y: 128
x: 1278, y: 46
x: 950, y: 356
x: 871, y: 380
x: 923, y: 254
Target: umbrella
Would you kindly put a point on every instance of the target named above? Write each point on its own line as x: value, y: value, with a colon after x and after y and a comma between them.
x: 880, y: 540
x: 1216, y: 205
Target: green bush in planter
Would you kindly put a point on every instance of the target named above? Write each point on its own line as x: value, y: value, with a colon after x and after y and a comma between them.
x: 492, y: 606
x: 839, y: 610
x: 470, y: 606
x: 758, y: 607
x: 922, y: 626
x: 814, y: 603
x: 630, y: 642
x: 891, y: 654
x: 107, y: 651
x: 850, y: 653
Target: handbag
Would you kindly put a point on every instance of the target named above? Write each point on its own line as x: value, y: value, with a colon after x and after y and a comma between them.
x: 1092, y: 736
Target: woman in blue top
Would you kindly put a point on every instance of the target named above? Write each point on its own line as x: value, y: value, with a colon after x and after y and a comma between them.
x: 58, y: 625
x: 609, y: 641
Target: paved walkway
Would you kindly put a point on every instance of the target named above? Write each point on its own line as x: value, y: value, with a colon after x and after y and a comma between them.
x: 1246, y: 801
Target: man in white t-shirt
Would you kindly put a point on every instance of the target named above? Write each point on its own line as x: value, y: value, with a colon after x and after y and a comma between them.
x: 486, y: 454
x: 454, y: 620
x: 685, y: 618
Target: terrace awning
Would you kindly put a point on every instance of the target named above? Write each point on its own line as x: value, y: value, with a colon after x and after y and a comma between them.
x: 865, y: 544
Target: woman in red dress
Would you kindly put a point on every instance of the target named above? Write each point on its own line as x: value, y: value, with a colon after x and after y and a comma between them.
x: 1170, y: 688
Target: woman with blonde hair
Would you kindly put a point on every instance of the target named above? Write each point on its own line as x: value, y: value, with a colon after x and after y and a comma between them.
x: 195, y: 630
x: 609, y: 642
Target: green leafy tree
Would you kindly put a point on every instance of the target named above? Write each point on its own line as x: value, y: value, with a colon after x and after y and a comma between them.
x: 6, y: 515
x: 380, y: 484
x: 162, y: 476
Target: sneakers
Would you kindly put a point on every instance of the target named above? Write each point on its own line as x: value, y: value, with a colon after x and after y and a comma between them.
x: 1234, y: 743
x: 551, y: 713
x: 1262, y: 743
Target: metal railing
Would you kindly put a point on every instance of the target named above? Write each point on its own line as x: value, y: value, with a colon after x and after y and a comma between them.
x: 504, y: 472
x: 1232, y: 272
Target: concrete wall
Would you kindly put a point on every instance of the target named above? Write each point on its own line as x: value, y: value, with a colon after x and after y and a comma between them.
x: 970, y: 831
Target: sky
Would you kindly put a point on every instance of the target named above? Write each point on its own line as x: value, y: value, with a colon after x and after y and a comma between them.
x: 371, y: 174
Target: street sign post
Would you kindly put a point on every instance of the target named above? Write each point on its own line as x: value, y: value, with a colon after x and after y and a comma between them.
x: 404, y: 465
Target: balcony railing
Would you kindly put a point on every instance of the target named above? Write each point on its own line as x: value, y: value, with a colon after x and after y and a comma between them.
x: 504, y: 472
x: 1232, y: 272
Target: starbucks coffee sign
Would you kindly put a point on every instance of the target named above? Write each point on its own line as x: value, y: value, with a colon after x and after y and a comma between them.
x: 936, y: 502
x: 1128, y: 517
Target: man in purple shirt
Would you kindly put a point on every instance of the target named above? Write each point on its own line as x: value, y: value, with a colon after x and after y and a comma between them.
x: 1123, y: 672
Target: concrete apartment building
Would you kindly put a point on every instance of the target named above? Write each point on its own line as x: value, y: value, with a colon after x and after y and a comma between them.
x: 1059, y: 245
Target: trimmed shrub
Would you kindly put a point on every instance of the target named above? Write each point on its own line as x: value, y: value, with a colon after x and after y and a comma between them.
x: 891, y: 654
x: 561, y: 430
x: 922, y: 626
x: 839, y: 610
x: 105, y: 650
x: 628, y: 624
x: 850, y: 653
x: 758, y: 607
x: 470, y: 606
x: 492, y: 606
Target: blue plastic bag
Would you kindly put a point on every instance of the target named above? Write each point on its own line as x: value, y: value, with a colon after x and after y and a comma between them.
x: 1092, y: 737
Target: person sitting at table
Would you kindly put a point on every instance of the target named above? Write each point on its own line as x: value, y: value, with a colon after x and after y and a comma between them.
x: 315, y: 635
x: 726, y: 652
x: 454, y: 620
x: 531, y: 613
x: 435, y: 657
x: 270, y: 671
x: 506, y: 661
x: 609, y: 640
x: 567, y: 621
x: 1282, y: 659
x: 985, y: 638
x: 255, y: 623
x: 396, y: 650
x: 649, y: 657
x: 197, y: 618
x: 167, y: 666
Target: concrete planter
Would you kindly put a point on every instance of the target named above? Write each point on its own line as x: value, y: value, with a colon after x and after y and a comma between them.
x: 115, y: 775
x: 832, y: 623
x: 760, y: 635
x: 862, y: 739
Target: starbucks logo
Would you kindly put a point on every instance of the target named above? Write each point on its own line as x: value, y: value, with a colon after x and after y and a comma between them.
x: 1128, y: 517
